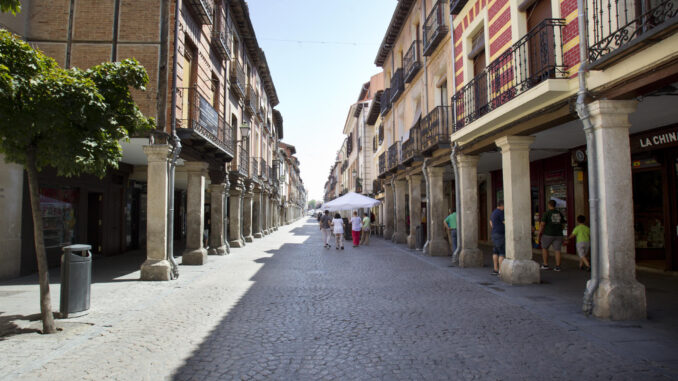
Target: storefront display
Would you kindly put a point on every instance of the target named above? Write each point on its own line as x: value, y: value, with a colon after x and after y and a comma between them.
x: 57, y: 207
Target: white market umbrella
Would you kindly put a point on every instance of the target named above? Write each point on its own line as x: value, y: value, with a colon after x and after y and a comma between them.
x: 349, y: 201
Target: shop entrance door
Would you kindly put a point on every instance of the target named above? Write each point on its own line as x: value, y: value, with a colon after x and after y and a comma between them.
x: 650, y: 219
x: 95, y: 221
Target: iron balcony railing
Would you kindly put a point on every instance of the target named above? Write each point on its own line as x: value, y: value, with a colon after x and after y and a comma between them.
x: 411, y: 62
x: 202, y: 9
x: 221, y: 40
x: 238, y: 78
x: 434, y: 28
x: 435, y: 129
x: 614, y: 26
x: 385, y: 101
x: 377, y: 187
x: 533, y: 59
x: 254, y: 169
x: 411, y: 147
x: 382, y: 164
x: 397, y: 85
x: 243, y: 161
x: 198, y: 115
x: 251, y: 101
x: 264, y: 173
x: 393, y: 157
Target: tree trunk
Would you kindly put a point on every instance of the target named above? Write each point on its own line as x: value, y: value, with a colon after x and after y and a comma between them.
x: 48, y: 325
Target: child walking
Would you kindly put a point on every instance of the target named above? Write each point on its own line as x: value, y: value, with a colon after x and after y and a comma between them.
x: 583, y: 235
x: 338, y: 225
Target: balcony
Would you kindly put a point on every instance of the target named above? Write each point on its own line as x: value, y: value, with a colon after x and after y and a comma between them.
x: 435, y: 130
x: 434, y: 28
x: 238, y: 78
x: 397, y: 85
x: 377, y: 186
x: 199, y: 122
x: 385, y: 101
x: 220, y: 42
x: 375, y: 146
x: 411, y: 62
x: 393, y: 160
x: 381, y: 133
x: 411, y: 148
x: 618, y: 28
x: 254, y: 169
x: 533, y: 59
x: 243, y: 162
x: 382, y: 165
x: 251, y: 101
x: 202, y: 10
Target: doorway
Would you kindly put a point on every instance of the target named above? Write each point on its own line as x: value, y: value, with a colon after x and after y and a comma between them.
x: 95, y: 221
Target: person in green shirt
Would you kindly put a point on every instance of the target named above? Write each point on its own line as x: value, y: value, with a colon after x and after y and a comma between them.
x: 365, y: 237
x: 583, y: 235
x: 450, y: 224
x: 551, y: 235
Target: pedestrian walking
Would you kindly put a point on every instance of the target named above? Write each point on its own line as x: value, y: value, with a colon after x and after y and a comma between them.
x: 582, y: 233
x: 551, y: 235
x: 325, y: 228
x: 356, y: 227
x: 450, y: 224
x: 338, y: 226
x: 367, y: 225
x: 498, y: 237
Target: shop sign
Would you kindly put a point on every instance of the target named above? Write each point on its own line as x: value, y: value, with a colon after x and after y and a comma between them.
x: 663, y: 138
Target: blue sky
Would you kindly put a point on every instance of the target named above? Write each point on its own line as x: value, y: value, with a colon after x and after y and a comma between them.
x: 320, y: 53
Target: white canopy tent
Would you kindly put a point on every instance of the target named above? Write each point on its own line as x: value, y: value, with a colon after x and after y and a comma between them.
x: 350, y: 201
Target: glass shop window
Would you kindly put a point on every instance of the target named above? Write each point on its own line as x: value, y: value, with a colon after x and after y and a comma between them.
x: 58, y: 208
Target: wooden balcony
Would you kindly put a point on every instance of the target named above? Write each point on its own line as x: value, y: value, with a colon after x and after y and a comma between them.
x: 202, y: 10
x: 411, y: 148
x: 238, y: 79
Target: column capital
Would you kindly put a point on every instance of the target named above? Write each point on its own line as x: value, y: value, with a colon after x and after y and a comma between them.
x: 196, y: 166
x: 467, y: 161
x: 514, y: 143
x: 414, y: 177
x: 218, y: 187
x: 157, y: 152
x: 612, y: 114
x: 435, y: 171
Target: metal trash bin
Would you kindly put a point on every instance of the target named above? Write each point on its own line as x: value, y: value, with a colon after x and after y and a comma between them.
x: 419, y: 243
x: 76, y: 279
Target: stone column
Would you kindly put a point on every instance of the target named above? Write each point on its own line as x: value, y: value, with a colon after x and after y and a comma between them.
x: 619, y: 295
x: 388, y: 211
x: 470, y: 255
x: 437, y: 246
x: 247, y: 213
x: 256, y: 213
x: 264, y: 213
x: 235, y: 212
x: 414, y: 183
x: 156, y: 266
x: 218, y: 215
x: 518, y: 267
x: 195, y: 253
x: 400, y: 235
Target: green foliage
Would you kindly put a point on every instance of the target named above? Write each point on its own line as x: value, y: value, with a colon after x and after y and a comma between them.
x: 11, y: 6
x: 74, y: 119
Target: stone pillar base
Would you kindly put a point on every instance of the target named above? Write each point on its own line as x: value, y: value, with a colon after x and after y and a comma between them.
x: 388, y: 233
x: 437, y: 248
x: 519, y: 271
x: 399, y: 238
x: 237, y: 243
x: 195, y: 257
x: 258, y: 235
x: 156, y: 270
x: 223, y: 250
x: 471, y: 258
x: 249, y: 238
x: 620, y: 300
x: 411, y: 242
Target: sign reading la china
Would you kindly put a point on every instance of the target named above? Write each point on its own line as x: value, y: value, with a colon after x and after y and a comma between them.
x: 658, y: 139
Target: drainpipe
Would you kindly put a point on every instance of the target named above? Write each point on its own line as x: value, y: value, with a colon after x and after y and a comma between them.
x: 455, y: 150
x: 594, y: 199
x: 175, y: 142
x: 428, y: 204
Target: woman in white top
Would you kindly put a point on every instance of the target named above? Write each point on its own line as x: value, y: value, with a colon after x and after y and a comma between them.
x: 356, y: 226
x: 338, y: 226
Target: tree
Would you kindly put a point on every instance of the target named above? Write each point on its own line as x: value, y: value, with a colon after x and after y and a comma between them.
x: 311, y: 204
x: 11, y: 6
x: 71, y: 120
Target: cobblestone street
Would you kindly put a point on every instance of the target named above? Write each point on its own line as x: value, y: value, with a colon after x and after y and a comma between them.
x: 284, y: 308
